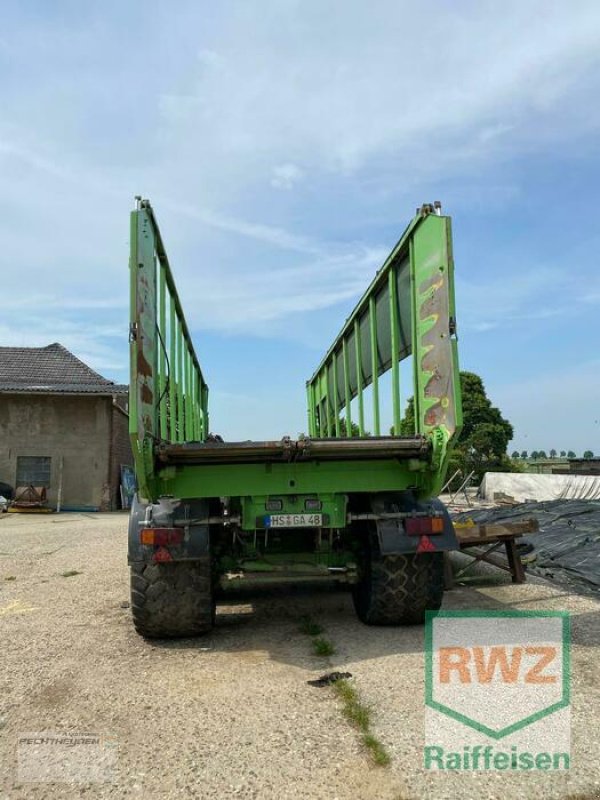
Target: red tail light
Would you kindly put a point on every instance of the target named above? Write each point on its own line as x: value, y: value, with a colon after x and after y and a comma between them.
x: 161, y: 536
x: 423, y: 526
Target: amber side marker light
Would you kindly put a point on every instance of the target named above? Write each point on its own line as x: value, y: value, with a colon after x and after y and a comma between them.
x: 161, y: 536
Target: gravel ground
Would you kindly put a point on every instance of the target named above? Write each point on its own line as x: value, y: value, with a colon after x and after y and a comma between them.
x: 230, y: 714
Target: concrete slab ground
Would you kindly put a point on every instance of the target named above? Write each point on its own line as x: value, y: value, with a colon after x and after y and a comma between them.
x: 231, y: 714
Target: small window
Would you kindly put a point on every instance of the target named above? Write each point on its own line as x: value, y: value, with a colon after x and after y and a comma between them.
x: 33, y: 471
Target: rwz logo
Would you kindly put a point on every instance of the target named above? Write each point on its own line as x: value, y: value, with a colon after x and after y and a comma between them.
x: 497, y: 671
x: 485, y: 664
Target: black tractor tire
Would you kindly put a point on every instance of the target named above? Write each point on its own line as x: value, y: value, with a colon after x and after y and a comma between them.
x: 398, y: 589
x: 173, y: 599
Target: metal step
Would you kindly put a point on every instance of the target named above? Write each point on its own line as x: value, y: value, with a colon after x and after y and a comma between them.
x: 366, y: 448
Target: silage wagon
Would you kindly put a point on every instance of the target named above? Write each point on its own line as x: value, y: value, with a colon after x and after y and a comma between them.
x: 347, y: 501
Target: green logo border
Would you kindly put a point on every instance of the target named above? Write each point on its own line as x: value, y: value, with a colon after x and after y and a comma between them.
x: 479, y: 726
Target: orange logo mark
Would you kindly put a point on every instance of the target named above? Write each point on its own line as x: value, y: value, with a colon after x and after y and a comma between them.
x: 475, y: 665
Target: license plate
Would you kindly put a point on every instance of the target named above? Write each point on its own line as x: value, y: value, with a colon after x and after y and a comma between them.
x: 294, y: 521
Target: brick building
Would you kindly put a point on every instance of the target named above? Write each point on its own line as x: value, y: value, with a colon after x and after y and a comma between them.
x: 62, y: 426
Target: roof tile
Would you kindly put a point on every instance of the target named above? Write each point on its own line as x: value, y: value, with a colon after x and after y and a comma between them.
x: 50, y: 369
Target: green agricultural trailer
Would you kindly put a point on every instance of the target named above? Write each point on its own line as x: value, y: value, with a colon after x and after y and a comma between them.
x: 338, y: 503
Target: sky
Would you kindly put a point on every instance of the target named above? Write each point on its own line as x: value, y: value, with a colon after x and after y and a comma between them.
x: 285, y: 146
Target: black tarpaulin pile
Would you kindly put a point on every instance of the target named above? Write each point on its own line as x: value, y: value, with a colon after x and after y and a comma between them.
x: 567, y: 546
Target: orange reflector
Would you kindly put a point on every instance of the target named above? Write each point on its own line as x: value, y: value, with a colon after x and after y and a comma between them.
x: 437, y: 525
x: 161, y: 536
x: 147, y: 536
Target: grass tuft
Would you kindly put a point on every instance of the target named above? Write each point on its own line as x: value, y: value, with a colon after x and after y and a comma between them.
x: 358, y: 714
x: 322, y: 647
x: 69, y: 573
x: 10, y: 578
x: 309, y: 627
x: 376, y: 750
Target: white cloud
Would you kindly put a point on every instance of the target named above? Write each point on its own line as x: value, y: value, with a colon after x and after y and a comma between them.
x: 97, y: 345
x: 268, y: 234
x: 255, y: 299
x: 11, y: 150
x: 285, y: 93
x: 285, y: 176
x: 591, y: 293
x: 491, y: 302
x: 360, y: 109
x: 334, y: 91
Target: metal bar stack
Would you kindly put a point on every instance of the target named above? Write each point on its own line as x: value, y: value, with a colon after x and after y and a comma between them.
x: 404, y: 312
x: 168, y: 394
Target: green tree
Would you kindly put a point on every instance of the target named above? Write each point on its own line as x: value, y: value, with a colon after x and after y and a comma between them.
x: 524, y: 454
x: 515, y: 454
x: 588, y: 454
x: 478, y: 410
x: 542, y: 454
x: 407, y: 423
x: 483, y: 441
x: 535, y: 454
x: 355, y: 431
x: 563, y: 453
x: 571, y: 454
x: 553, y: 453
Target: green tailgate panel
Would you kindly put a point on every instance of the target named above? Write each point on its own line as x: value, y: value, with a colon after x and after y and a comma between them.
x: 239, y: 480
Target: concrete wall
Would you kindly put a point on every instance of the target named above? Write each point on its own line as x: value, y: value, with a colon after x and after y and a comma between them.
x: 78, y: 428
x: 120, y: 451
x: 585, y: 466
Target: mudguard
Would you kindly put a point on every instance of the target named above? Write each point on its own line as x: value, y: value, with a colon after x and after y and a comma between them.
x: 391, y: 533
x: 169, y: 512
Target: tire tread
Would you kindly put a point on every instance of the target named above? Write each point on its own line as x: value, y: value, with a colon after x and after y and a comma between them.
x: 173, y: 599
x: 398, y: 589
